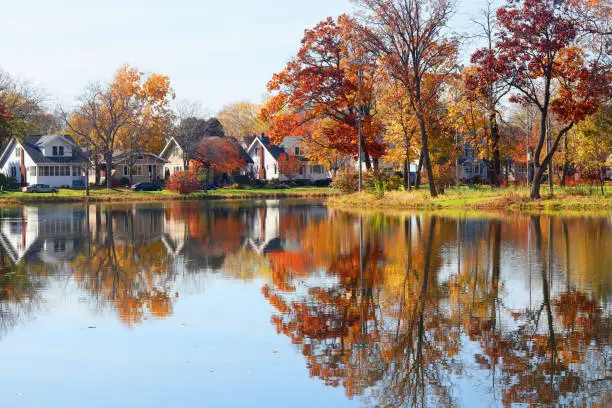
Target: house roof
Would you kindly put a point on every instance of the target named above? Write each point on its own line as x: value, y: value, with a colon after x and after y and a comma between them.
x: 33, y: 144
x: 120, y: 156
x: 274, y: 150
x: 167, y: 146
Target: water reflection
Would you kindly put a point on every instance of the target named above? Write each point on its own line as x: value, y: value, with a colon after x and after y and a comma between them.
x: 414, y: 310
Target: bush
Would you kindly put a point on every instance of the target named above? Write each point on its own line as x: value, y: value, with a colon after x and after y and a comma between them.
x: 125, y: 181
x: 8, y: 183
x: 235, y: 186
x: 183, y: 182
x: 346, y: 181
x: 323, y: 183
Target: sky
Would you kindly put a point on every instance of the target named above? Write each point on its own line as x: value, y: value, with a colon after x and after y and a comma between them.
x: 215, y: 52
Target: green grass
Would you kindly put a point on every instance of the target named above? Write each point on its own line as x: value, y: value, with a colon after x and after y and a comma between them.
x: 483, y: 198
x: 122, y: 195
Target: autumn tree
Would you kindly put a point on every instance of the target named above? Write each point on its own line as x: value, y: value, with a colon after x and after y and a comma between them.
x: 241, y: 119
x: 192, y: 130
x: 590, y: 146
x: 289, y: 165
x: 128, y: 108
x: 21, y: 107
x: 220, y: 154
x: 537, y: 42
x: 410, y: 37
x: 400, y: 127
x: 487, y: 83
x: 317, y: 94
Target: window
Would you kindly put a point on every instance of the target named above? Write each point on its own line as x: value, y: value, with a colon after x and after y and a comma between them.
x: 44, y: 171
x: 76, y: 171
x: 60, y: 151
x: 67, y: 170
x: 13, y: 171
x: 301, y: 169
x: 55, y: 150
x: 297, y: 150
x: 51, y: 171
x: 275, y: 171
x: 125, y: 170
x: 18, y: 152
x: 33, y: 171
x: 138, y: 170
x: 317, y: 169
x: 59, y: 245
x: 256, y: 150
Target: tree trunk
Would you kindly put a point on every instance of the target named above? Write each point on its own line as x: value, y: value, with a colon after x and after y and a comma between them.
x: 565, y: 162
x: 496, y: 168
x: 108, y: 157
x: 367, y: 161
x: 406, y: 174
x: 426, y: 159
x: 418, y: 172
x: 539, y: 169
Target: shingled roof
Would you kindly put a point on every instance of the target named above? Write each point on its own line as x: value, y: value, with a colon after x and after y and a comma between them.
x: 34, y: 143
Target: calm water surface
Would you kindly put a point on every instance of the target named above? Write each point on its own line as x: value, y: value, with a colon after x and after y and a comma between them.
x: 288, y: 303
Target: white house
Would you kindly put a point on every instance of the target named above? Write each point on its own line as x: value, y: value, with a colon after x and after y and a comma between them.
x: 55, y: 160
x: 266, y: 157
x: 175, y: 156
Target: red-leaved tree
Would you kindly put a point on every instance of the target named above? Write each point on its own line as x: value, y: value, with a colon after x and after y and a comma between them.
x: 316, y: 95
x: 537, y: 41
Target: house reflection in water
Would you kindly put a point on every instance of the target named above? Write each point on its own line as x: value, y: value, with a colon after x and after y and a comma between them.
x: 45, y: 234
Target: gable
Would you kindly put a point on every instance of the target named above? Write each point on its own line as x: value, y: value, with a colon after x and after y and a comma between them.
x: 171, y: 148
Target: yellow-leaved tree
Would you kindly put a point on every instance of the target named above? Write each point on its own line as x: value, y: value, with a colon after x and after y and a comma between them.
x: 131, y: 112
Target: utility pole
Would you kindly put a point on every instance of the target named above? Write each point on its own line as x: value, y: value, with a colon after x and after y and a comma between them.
x: 548, y: 148
x: 527, y: 131
x: 359, y: 119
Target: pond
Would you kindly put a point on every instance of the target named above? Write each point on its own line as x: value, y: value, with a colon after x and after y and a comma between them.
x: 288, y: 303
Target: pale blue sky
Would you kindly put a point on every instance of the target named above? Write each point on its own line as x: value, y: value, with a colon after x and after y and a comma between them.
x: 215, y: 52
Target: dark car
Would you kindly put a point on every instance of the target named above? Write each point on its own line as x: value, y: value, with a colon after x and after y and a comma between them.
x: 146, y: 186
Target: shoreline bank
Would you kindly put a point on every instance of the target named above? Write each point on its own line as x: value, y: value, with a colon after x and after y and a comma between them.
x: 126, y: 196
x: 504, y: 200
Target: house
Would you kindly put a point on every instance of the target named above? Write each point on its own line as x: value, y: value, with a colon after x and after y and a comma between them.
x: 175, y: 156
x: 471, y: 168
x: 136, y: 166
x: 266, y: 156
x: 55, y: 160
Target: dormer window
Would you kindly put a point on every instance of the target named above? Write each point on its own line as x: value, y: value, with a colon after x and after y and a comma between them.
x: 58, y: 150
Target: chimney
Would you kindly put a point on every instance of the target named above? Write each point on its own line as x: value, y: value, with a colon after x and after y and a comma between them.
x: 24, y: 181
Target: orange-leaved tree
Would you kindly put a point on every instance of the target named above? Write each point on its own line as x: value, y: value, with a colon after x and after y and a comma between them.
x: 126, y: 111
x: 317, y: 92
x: 410, y: 37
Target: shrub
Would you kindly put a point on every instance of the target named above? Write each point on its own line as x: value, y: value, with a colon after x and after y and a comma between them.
x: 346, y: 181
x: 322, y: 183
x: 8, y: 183
x: 235, y: 186
x: 124, y: 181
x: 183, y: 182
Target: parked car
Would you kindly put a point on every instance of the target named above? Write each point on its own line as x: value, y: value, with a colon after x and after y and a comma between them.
x: 146, y: 186
x: 39, y: 188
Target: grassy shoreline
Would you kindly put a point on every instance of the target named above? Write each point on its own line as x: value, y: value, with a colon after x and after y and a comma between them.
x: 127, y: 196
x: 513, y: 199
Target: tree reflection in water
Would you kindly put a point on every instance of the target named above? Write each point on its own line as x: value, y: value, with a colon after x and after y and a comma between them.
x: 397, y: 310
